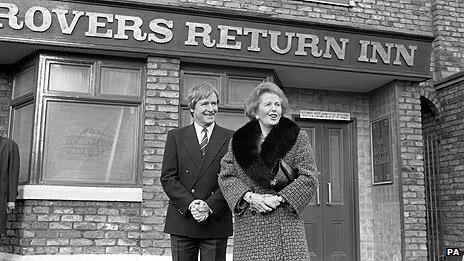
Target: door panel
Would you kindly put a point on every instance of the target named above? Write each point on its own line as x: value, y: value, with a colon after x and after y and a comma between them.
x: 330, y: 224
x: 335, y: 151
x: 311, y: 216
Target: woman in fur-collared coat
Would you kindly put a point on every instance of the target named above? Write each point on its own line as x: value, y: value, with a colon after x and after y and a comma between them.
x: 268, y: 223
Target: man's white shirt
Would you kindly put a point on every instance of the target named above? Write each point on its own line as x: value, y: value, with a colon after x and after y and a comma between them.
x: 199, y: 131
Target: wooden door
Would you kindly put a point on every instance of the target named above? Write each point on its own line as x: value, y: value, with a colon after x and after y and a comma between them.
x: 329, y: 220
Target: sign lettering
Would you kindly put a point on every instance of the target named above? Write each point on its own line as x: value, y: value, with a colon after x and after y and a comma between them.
x: 170, y: 32
x: 325, y: 115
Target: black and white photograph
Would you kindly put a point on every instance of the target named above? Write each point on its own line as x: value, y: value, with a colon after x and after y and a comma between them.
x: 232, y: 130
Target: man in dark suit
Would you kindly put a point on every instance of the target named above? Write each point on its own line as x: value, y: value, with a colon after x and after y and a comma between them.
x: 9, y: 175
x: 198, y: 218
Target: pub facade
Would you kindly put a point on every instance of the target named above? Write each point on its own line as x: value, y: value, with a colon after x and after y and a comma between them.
x: 89, y: 90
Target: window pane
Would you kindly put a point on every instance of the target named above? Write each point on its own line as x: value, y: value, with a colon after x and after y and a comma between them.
x: 231, y: 120
x: 117, y: 81
x: 190, y: 79
x: 89, y: 143
x: 69, y: 78
x: 238, y: 90
x: 24, y: 83
x: 22, y: 133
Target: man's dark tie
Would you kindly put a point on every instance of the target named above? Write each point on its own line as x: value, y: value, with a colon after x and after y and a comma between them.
x: 204, y: 141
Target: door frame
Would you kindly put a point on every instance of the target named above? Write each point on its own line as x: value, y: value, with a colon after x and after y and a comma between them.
x: 355, y: 192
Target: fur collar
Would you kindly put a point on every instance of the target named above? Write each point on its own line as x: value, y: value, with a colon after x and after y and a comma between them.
x: 257, y: 164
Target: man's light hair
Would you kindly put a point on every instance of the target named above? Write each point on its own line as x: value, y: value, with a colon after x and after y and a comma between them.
x: 200, y: 91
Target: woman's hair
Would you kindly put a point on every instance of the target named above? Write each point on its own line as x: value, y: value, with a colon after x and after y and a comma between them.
x: 200, y: 91
x: 252, y: 101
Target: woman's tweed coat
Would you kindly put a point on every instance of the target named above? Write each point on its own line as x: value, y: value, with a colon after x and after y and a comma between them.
x: 280, y: 234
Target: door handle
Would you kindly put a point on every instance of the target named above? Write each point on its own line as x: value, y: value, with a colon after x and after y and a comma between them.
x: 318, y: 197
x: 329, y: 186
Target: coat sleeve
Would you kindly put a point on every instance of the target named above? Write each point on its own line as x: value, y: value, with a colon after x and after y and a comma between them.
x: 232, y: 186
x: 216, y: 203
x: 176, y: 192
x: 13, y: 176
x: 299, y: 193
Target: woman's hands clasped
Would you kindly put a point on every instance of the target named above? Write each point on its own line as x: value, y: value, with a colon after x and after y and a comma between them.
x: 263, y: 203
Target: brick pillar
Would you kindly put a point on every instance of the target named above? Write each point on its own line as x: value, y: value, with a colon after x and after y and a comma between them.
x: 161, y: 115
x: 6, y: 84
x: 386, y: 199
x: 411, y: 170
x: 451, y: 184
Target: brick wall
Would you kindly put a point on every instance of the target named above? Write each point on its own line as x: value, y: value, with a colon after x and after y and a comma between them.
x: 448, y: 21
x: 411, y: 169
x: 74, y: 227
x: 414, y: 16
x: 161, y: 115
x: 358, y: 105
x: 9, y: 242
x: 6, y: 84
x: 386, y: 200
x: 452, y: 162
x: 401, y: 205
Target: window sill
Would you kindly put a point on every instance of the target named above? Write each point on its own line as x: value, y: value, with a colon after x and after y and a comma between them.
x: 80, y: 193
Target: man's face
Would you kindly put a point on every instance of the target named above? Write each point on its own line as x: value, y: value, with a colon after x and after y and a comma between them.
x: 205, y: 110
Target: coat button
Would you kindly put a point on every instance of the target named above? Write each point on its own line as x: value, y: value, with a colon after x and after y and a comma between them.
x: 193, y: 191
x: 187, y: 171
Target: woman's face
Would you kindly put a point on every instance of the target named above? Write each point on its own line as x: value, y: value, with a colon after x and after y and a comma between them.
x: 269, y: 109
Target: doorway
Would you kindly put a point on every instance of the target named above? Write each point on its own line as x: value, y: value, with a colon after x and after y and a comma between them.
x: 330, y: 218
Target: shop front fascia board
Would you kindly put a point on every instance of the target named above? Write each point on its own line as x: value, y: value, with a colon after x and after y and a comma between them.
x: 185, y: 33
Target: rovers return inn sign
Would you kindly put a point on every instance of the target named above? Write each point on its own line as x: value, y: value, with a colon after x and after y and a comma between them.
x: 202, y: 34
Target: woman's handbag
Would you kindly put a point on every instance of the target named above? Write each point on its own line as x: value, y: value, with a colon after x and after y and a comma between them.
x: 283, y: 174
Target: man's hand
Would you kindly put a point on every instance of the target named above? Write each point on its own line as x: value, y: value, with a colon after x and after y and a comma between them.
x: 200, y: 210
x: 10, y: 206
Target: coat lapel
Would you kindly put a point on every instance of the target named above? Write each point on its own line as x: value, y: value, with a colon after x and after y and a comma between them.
x: 190, y: 141
x: 217, y: 140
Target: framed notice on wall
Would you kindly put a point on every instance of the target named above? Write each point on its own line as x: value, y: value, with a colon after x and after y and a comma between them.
x: 382, y: 166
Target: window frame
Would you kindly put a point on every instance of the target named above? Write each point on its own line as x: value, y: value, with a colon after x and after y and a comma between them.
x: 23, y: 103
x: 224, y: 74
x: 137, y: 158
x: 20, y: 101
x: 42, y: 95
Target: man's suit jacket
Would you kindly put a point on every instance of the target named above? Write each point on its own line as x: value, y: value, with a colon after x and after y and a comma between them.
x: 9, y: 175
x: 187, y: 175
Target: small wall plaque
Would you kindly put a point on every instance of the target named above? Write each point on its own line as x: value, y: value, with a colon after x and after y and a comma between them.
x: 382, y: 166
x: 325, y: 115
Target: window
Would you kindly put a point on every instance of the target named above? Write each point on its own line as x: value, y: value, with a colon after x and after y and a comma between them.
x: 88, y: 122
x: 21, y: 132
x: 90, y: 143
x: 233, y: 85
x: 22, y: 115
